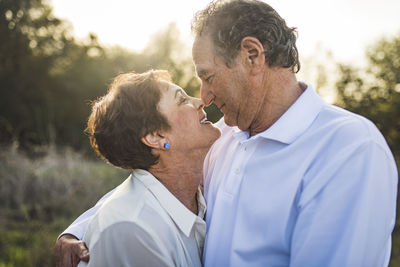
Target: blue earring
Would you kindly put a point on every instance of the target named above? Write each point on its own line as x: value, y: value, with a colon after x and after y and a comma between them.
x: 166, y: 146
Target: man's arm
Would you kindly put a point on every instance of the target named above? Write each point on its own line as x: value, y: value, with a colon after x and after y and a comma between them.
x: 347, y: 212
x: 69, y: 250
x: 79, y: 226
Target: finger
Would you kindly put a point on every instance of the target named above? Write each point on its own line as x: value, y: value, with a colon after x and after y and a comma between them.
x: 57, y: 254
x: 83, y: 252
x: 74, y: 261
x: 85, y: 257
x: 66, y: 261
x: 61, y: 257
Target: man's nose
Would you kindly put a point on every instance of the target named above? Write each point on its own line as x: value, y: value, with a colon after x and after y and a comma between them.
x: 206, y: 96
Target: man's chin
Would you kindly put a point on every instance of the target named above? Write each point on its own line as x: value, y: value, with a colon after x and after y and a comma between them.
x: 232, y: 123
x: 228, y: 121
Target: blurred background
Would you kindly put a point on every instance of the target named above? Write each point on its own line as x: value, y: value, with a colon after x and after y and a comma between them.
x: 56, y: 56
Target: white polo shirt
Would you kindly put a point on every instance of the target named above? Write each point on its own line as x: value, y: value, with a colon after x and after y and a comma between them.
x: 143, y: 224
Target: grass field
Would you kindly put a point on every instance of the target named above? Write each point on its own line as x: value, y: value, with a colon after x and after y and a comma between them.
x: 40, y: 197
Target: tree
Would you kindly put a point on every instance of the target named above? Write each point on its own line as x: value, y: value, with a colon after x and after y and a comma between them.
x: 375, y: 91
x: 33, y: 39
x: 47, y: 78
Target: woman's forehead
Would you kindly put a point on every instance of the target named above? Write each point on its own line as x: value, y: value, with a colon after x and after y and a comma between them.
x: 172, y: 88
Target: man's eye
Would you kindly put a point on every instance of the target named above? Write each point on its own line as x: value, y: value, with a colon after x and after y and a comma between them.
x: 208, y: 79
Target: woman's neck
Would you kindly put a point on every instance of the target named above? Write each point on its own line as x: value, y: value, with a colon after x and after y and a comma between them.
x: 181, y: 174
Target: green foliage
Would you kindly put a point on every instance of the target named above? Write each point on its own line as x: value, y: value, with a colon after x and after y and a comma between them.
x: 48, y: 78
x: 29, y: 243
x: 40, y: 197
x: 39, y: 188
x: 375, y: 91
x: 22, y: 24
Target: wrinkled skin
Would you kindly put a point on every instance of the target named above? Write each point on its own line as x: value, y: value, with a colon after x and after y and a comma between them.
x: 69, y: 251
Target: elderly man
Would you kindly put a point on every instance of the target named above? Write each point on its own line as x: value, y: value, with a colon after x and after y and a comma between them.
x: 292, y: 181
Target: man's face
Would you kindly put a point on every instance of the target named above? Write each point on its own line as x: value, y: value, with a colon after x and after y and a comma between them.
x: 226, y: 87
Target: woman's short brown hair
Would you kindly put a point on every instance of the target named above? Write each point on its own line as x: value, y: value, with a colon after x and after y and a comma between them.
x: 128, y: 112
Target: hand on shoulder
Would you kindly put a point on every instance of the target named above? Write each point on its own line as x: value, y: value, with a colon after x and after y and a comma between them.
x: 69, y: 251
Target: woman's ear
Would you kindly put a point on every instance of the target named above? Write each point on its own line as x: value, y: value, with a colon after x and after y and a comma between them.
x: 253, y: 53
x: 154, y: 140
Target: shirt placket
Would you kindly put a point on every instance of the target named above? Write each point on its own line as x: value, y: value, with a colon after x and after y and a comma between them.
x: 243, y: 153
x: 200, y: 233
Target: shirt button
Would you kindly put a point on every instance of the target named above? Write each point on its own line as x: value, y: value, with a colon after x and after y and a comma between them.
x: 237, y: 170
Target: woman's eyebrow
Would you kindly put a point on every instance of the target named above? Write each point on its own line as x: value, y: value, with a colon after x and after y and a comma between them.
x: 178, y: 90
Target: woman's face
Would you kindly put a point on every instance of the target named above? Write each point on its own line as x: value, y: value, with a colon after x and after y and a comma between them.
x: 185, y: 114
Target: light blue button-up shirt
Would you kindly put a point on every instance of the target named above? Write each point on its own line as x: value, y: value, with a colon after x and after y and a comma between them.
x: 318, y: 188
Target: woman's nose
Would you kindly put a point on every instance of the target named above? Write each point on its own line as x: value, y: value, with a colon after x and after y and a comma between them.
x: 198, y: 103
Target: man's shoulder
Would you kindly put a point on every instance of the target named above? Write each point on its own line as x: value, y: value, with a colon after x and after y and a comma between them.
x: 345, y: 126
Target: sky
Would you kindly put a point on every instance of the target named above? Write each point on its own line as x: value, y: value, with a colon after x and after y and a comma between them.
x: 345, y: 27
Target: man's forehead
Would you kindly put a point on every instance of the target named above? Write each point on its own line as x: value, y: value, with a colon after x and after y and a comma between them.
x: 201, y: 65
x: 204, y: 57
x: 202, y: 47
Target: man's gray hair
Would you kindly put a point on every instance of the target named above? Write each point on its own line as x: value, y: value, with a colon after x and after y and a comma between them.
x: 228, y: 22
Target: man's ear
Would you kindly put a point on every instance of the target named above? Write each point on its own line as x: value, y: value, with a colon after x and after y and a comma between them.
x: 253, y: 52
x: 154, y: 140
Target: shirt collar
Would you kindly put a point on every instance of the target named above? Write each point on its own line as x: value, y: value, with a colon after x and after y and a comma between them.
x: 182, y: 216
x: 293, y: 122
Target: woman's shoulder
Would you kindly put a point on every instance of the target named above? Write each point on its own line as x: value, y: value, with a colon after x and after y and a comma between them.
x: 131, y: 204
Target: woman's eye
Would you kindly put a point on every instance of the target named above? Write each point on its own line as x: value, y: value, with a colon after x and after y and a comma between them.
x: 183, y: 100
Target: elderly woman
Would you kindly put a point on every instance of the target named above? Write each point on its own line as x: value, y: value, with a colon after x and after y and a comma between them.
x: 151, y: 126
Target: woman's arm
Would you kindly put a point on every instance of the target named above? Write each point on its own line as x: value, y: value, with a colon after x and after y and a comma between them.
x: 127, y: 244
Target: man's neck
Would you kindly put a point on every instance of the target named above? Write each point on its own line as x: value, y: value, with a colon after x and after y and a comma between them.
x: 281, y: 90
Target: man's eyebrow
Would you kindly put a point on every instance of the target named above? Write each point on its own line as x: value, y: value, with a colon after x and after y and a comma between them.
x: 202, y: 73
